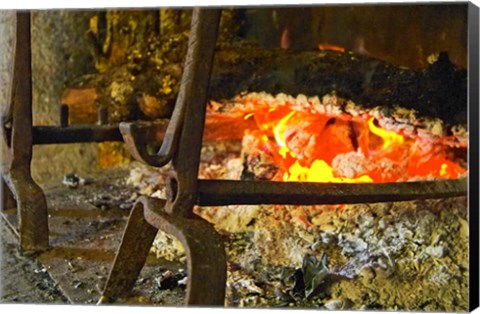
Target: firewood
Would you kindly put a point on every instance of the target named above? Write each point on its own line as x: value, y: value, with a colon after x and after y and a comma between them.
x: 439, y: 91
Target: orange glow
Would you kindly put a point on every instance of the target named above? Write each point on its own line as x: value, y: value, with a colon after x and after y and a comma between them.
x: 389, y: 138
x: 278, y: 132
x: 322, y: 148
x: 436, y: 166
x: 320, y: 171
x: 330, y: 47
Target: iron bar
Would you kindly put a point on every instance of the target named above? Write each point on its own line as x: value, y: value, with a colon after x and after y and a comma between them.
x: 192, y: 99
x: 64, y: 111
x: 147, y: 132
x: 75, y: 134
x: 136, y: 242
x: 230, y: 192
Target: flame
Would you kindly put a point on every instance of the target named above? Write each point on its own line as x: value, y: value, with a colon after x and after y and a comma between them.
x: 389, y: 138
x: 248, y: 115
x: 450, y: 170
x: 395, y: 157
x: 319, y: 171
x: 443, y: 169
x: 279, y: 131
x: 326, y: 46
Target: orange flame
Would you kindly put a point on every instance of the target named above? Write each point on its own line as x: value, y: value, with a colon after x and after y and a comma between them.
x: 389, y: 138
x: 319, y: 171
x: 443, y: 169
x: 326, y: 46
x: 279, y: 131
x: 395, y: 157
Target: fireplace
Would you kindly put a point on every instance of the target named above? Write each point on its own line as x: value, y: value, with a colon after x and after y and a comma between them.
x: 376, y: 162
x: 335, y: 175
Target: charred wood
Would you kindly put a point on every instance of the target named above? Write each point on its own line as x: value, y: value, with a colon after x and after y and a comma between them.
x: 438, y: 91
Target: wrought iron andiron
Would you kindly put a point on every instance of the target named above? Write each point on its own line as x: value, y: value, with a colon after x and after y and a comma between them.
x: 206, y: 259
x: 181, y: 145
x: 16, y: 126
x: 19, y: 135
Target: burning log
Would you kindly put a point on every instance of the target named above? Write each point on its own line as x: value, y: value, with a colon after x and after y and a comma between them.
x: 334, y: 140
x: 437, y: 91
x: 357, y: 240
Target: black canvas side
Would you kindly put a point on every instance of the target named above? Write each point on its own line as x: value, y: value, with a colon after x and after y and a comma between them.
x: 473, y: 121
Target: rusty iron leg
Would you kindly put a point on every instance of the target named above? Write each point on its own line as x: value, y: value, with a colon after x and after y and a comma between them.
x: 8, y: 199
x: 32, y: 212
x: 131, y: 256
x: 206, y: 257
x: 31, y: 202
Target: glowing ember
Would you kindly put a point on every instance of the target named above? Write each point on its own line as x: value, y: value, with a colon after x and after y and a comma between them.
x: 330, y: 47
x: 389, y: 138
x: 322, y: 148
x: 320, y: 171
x: 280, y: 136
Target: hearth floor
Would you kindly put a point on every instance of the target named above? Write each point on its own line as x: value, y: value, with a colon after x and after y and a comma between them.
x: 364, y: 256
x: 86, y: 225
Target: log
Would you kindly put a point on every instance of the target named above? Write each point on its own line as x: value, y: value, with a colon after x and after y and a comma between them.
x: 439, y: 91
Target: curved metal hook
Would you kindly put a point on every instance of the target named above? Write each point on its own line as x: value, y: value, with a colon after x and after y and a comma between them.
x: 192, y: 94
x: 136, y: 135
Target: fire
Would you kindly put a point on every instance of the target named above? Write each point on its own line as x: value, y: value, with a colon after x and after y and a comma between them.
x: 443, y: 169
x: 317, y: 147
x: 390, y: 138
x: 279, y: 131
x: 319, y: 170
x: 302, y: 139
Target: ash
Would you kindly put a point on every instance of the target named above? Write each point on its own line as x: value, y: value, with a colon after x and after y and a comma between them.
x: 391, y: 256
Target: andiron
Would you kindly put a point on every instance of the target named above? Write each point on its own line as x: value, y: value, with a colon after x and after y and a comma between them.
x: 182, y: 141
x: 19, y: 135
